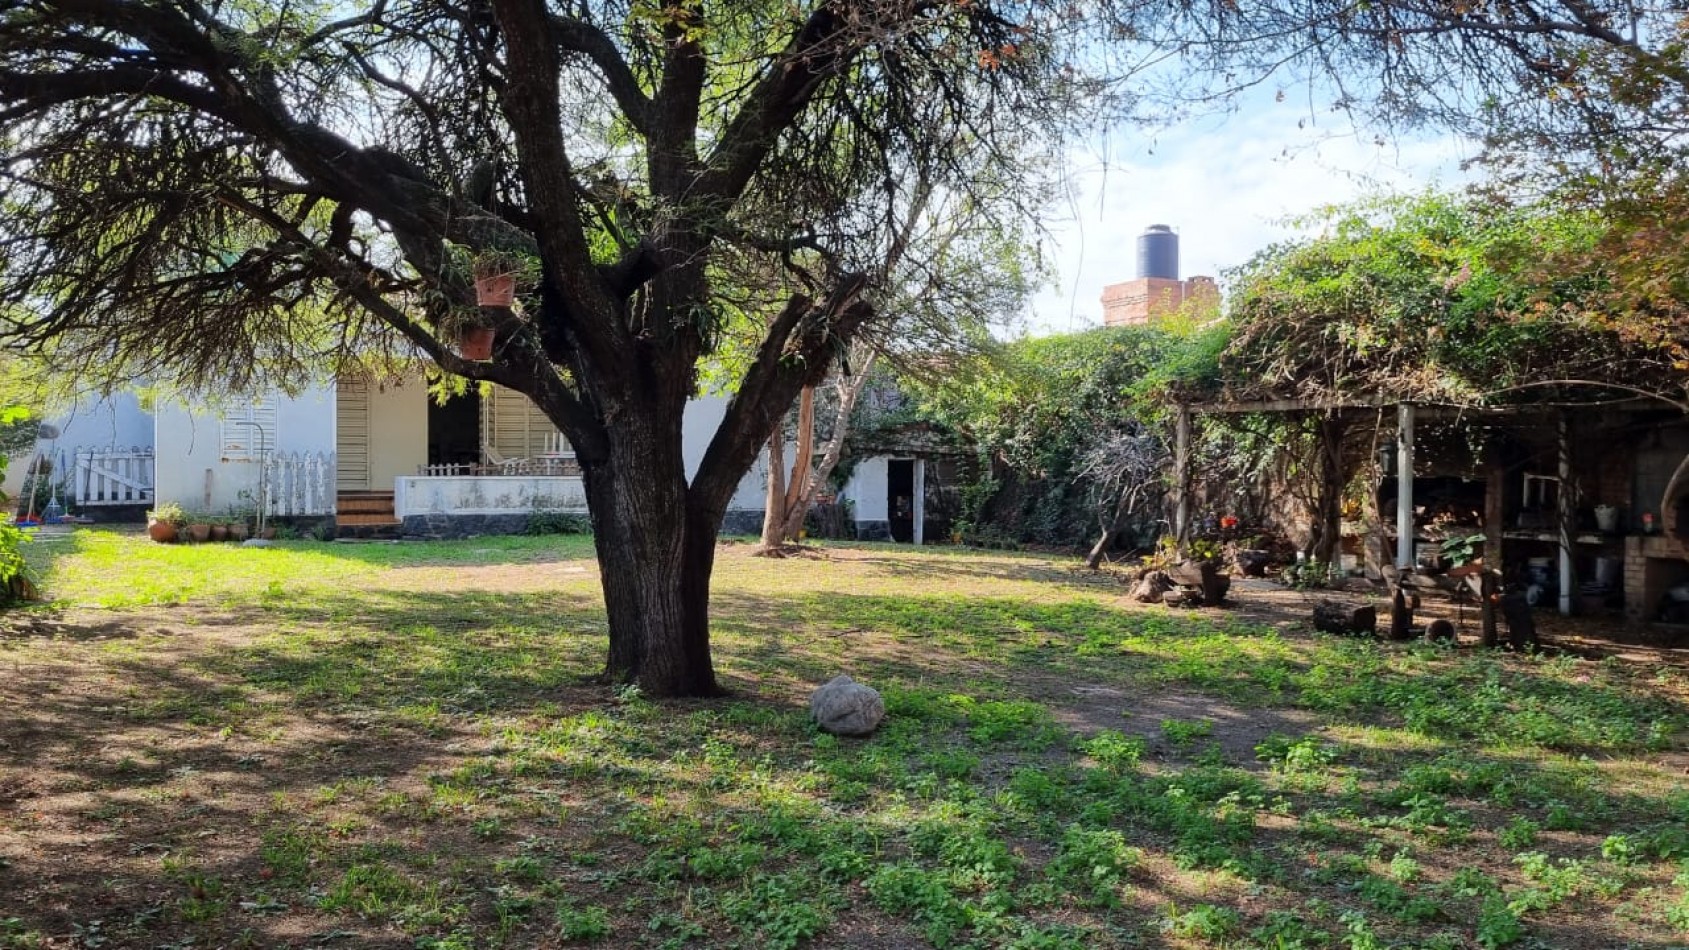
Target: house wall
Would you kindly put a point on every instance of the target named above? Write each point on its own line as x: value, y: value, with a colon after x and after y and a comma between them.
x: 398, y: 432
x: 190, y: 469
x: 744, y: 510
x: 867, y: 490
x: 115, y: 421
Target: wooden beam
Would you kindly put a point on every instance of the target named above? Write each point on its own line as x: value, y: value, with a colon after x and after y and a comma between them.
x: 1564, y: 513
x: 1404, y: 485
x: 1495, y: 488
x: 1182, y: 478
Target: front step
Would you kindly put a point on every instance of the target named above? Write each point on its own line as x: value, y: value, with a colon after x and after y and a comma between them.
x: 365, y: 514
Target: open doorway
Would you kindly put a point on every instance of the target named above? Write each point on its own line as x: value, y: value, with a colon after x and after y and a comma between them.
x: 454, y: 430
x: 900, y: 499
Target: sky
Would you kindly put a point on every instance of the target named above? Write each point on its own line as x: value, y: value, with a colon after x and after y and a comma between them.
x: 1225, y: 184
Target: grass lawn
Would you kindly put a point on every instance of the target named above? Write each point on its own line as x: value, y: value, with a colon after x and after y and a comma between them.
x: 323, y: 745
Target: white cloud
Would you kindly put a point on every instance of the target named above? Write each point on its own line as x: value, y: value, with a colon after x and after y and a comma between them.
x: 1224, y: 184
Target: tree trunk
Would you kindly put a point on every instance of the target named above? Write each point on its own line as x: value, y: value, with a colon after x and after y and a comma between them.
x: 655, y: 554
x: 850, y: 389
x: 797, y: 487
x: 1122, y: 507
x: 774, y: 510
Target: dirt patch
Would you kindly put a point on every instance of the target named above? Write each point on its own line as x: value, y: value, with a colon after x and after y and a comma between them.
x: 1236, y: 730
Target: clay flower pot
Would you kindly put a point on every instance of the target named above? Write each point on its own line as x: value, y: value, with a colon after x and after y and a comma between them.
x: 476, y: 343
x: 161, y: 531
x: 495, y: 290
x: 219, y: 532
x: 238, y: 531
x: 199, y: 533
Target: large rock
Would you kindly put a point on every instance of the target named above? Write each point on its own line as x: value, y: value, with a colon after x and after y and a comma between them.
x: 845, y: 707
x: 1153, y: 586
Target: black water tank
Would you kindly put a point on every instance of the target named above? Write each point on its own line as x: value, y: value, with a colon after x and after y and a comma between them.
x: 1158, y: 252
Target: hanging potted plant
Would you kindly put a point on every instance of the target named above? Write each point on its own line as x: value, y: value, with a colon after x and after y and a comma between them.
x: 495, y: 278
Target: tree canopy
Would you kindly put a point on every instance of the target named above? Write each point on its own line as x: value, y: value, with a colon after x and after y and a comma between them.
x: 1438, y: 299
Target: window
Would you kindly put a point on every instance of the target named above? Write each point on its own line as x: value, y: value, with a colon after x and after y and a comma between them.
x: 249, y: 431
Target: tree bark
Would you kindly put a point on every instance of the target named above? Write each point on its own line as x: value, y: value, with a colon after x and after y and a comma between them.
x: 774, y: 510
x: 655, y: 554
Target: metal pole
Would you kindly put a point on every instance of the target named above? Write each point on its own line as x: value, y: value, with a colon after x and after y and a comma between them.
x: 1404, y: 486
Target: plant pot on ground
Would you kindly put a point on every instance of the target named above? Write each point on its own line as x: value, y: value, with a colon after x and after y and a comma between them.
x: 199, y: 532
x: 239, y: 531
x: 219, y: 532
x: 164, y: 522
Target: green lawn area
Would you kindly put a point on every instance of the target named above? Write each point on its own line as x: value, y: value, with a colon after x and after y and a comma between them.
x: 320, y: 745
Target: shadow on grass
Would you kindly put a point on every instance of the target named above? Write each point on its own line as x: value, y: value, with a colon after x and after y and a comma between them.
x: 365, y: 761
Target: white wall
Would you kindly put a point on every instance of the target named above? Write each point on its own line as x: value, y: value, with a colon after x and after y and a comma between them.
x: 90, y: 422
x: 190, y: 469
x: 867, y: 490
x: 488, y: 495
x: 703, y: 417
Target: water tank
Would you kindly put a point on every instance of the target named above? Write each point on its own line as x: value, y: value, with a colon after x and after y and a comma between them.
x: 1158, y: 252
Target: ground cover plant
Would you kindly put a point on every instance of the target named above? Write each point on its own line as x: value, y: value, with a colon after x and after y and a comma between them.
x: 395, y: 746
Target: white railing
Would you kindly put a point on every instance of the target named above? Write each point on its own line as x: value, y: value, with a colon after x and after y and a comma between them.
x: 111, y: 476
x: 299, y: 483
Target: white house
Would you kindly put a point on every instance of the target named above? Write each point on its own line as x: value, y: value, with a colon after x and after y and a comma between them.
x: 380, y: 457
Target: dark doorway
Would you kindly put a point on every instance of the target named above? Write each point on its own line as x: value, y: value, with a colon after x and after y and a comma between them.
x: 900, y: 498
x: 454, y: 430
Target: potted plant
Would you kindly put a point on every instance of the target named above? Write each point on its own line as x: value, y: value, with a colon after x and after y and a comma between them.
x: 199, y: 528
x: 495, y: 277
x: 163, y: 522
x: 219, y: 530
x: 475, y: 343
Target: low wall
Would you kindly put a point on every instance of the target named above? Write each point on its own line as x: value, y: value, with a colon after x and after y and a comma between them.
x: 456, y: 506
x: 487, y: 495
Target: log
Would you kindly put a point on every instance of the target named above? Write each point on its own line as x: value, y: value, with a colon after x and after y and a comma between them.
x: 1343, y: 620
x: 1489, y: 595
x: 1440, y: 630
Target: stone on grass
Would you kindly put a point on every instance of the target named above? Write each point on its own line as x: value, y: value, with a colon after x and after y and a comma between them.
x: 845, y: 707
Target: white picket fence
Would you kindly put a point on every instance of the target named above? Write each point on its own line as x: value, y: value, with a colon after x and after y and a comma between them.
x: 299, y: 483
x: 111, y: 476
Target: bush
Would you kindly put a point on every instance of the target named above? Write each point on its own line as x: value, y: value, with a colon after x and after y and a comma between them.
x: 557, y: 522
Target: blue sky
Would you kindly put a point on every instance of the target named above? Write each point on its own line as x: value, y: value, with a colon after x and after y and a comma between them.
x: 1225, y: 183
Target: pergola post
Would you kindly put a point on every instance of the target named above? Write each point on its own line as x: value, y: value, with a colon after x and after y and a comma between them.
x: 1564, y: 512
x: 1182, y: 478
x: 1404, y: 485
x: 920, y: 535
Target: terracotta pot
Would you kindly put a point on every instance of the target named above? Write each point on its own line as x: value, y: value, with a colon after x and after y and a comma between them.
x: 476, y: 343
x: 199, y: 533
x: 268, y: 534
x: 238, y: 532
x: 219, y: 532
x: 498, y: 290
x: 161, y: 531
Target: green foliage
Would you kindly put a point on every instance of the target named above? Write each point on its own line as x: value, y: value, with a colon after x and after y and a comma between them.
x: 1430, y: 296
x: 557, y: 522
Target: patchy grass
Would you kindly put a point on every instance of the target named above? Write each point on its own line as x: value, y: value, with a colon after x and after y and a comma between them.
x: 403, y: 746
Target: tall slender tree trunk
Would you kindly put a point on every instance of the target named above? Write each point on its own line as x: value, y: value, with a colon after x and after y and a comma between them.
x: 774, y: 508
x: 850, y: 389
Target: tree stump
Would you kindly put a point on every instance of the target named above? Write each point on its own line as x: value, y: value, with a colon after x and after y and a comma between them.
x: 1521, y: 628
x: 1152, y: 587
x: 1440, y: 630
x: 1343, y: 620
x: 1204, y: 576
x: 1401, y: 615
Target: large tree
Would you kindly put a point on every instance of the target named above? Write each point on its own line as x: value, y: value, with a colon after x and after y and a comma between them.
x: 233, y: 194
